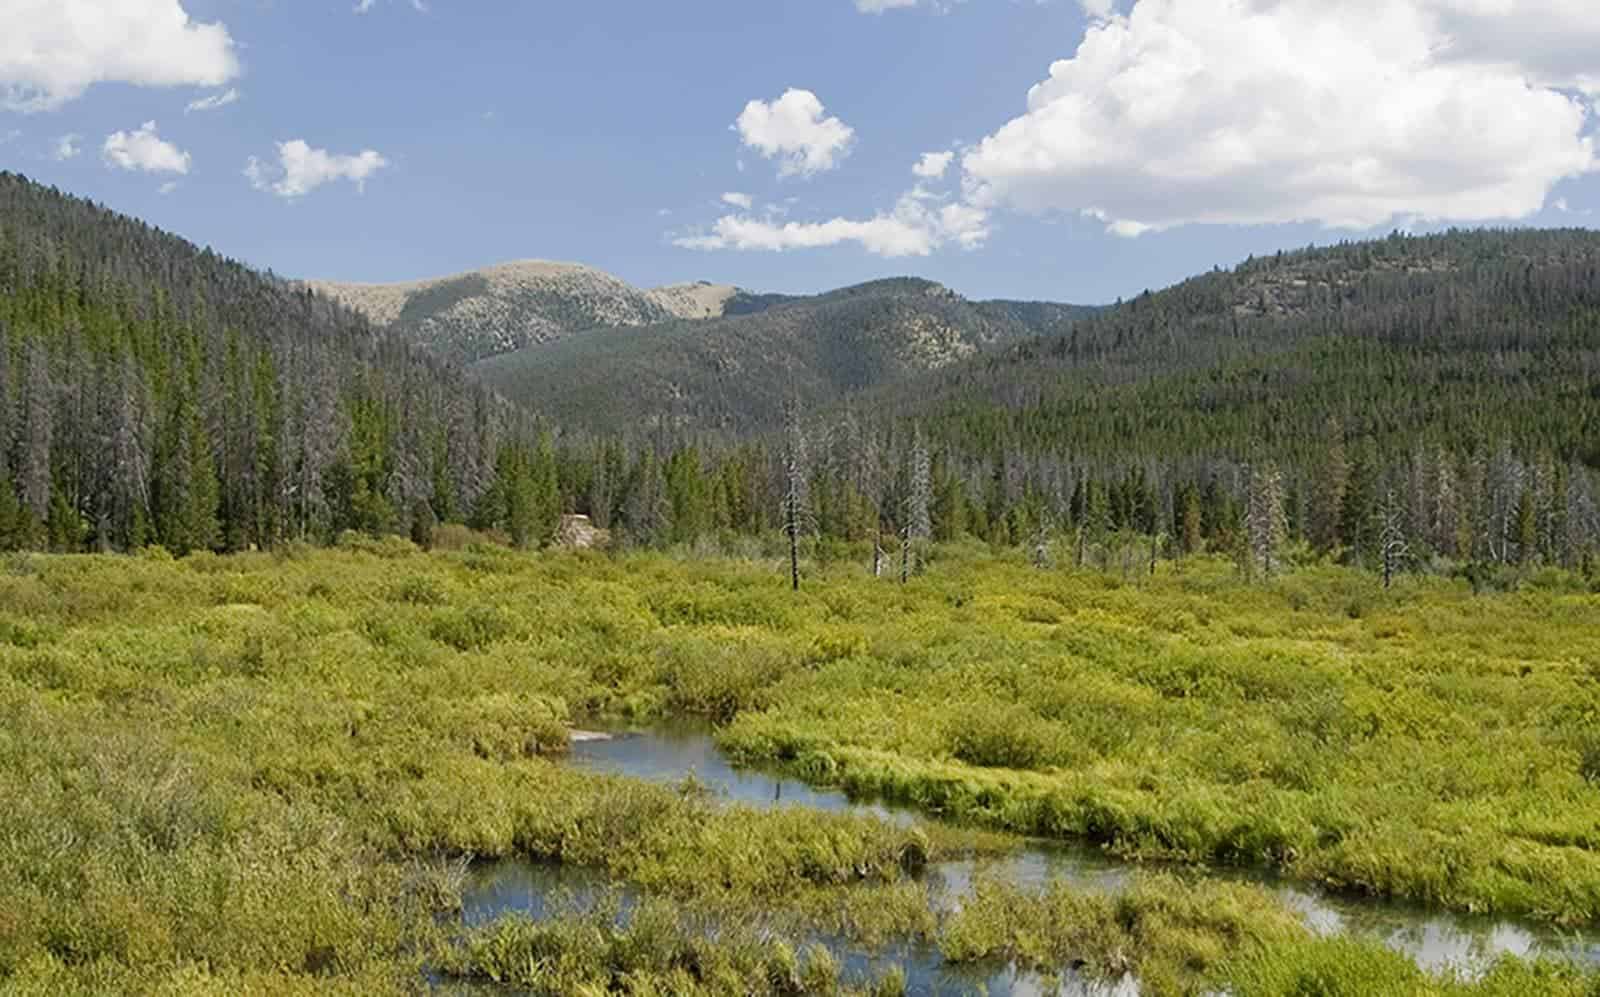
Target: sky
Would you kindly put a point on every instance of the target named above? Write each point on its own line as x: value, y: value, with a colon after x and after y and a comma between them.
x: 1043, y: 149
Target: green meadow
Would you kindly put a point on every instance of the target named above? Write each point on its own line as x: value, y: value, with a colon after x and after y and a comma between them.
x: 267, y: 773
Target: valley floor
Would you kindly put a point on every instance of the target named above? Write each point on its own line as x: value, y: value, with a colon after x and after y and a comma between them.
x: 266, y: 773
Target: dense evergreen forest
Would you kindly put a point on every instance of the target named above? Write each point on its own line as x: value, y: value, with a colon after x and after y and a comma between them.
x: 152, y: 392
x: 1401, y: 403
x: 1464, y: 339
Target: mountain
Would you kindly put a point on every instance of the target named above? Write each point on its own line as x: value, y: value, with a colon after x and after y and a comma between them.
x: 155, y: 392
x: 732, y: 373
x: 499, y: 309
x: 1465, y: 340
x: 1405, y: 402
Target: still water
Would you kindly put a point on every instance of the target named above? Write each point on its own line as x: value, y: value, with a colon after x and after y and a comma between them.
x: 1434, y: 940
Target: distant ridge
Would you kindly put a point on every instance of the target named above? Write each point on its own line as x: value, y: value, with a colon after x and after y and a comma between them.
x: 731, y: 373
x: 498, y: 309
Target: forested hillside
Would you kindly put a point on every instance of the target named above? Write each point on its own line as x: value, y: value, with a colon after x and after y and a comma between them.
x: 1401, y: 403
x: 731, y: 375
x: 153, y: 392
x: 1465, y: 340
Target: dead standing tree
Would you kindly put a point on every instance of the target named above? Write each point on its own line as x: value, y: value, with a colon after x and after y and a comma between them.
x: 1393, y: 548
x: 1040, y: 543
x: 1266, y: 526
x: 917, y: 524
x: 796, y: 498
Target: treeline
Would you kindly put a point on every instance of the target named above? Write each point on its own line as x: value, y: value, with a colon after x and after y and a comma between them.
x: 1427, y: 508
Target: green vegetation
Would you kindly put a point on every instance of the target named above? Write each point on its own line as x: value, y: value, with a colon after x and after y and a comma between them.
x: 660, y: 949
x: 259, y: 772
x: 731, y: 375
x: 1419, y: 743
x: 154, y: 392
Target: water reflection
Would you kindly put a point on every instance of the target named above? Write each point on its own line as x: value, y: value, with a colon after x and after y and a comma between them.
x: 1440, y: 941
x: 669, y: 754
x: 537, y: 890
x: 1434, y: 940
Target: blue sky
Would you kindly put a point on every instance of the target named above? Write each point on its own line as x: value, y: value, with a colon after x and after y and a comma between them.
x: 1094, y: 149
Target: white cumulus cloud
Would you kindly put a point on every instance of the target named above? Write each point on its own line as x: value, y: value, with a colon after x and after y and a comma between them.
x: 51, y: 51
x: 1350, y: 114
x: 795, y: 130
x: 144, y: 150
x: 213, y: 102
x: 933, y: 165
x: 918, y: 225
x: 737, y: 200
x: 1552, y: 41
x: 67, y: 148
x: 302, y: 169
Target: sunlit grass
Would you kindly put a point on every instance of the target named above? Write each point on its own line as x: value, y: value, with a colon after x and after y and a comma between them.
x: 254, y: 773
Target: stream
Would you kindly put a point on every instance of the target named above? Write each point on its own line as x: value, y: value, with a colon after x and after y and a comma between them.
x: 1433, y: 939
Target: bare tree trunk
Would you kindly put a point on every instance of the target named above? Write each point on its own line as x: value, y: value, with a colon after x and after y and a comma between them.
x: 1041, y: 544
x: 918, y: 524
x: 1392, y: 540
x: 1265, y: 522
x: 794, y: 553
x: 794, y: 495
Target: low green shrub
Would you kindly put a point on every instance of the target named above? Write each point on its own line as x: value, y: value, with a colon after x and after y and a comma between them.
x: 992, y: 735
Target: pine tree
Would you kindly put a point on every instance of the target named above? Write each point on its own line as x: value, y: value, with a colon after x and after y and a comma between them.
x: 423, y: 523
x: 647, y: 515
x: 544, y: 493
x: 1360, y: 503
x: 36, y: 433
x: 1527, y: 528
x: 13, y: 535
x: 1191, y: 526
x: 1327, y: 499
x: 515, y: 501
x: 949, y: 512
x: 187, y: 495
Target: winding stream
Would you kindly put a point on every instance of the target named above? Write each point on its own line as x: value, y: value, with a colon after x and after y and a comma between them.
x: 534, y: 889
x: 1433, y: 939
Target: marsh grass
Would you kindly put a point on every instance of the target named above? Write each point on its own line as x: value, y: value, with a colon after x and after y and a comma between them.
x: 658, y: 948
x: 256, y: 773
